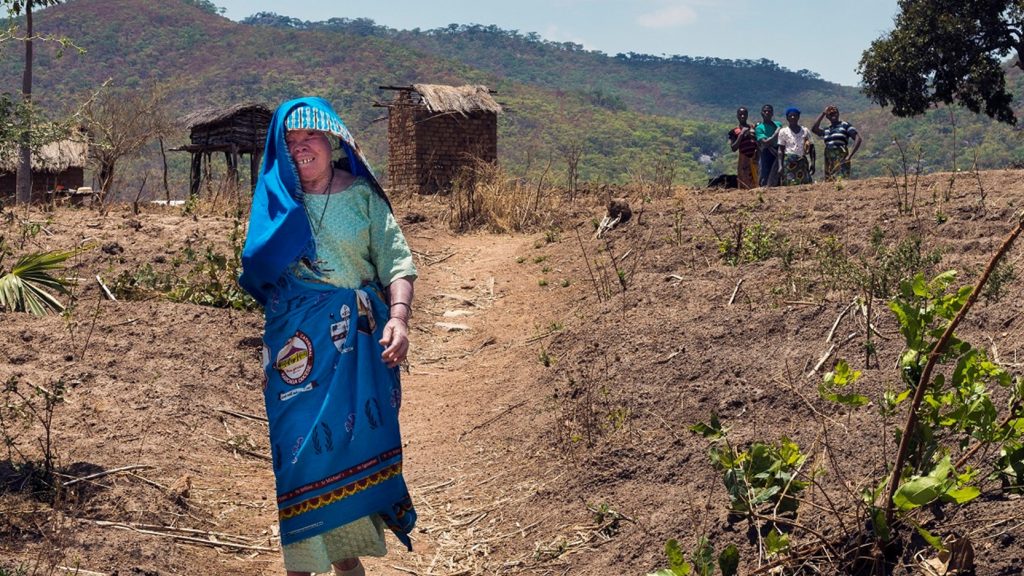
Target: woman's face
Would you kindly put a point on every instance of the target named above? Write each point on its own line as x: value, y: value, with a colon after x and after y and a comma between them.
x: 310, y: 151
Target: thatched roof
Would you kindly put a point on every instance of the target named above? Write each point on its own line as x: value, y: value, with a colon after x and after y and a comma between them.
x: 462, y: 99
x: 219, y: 114
x: 53, y: 157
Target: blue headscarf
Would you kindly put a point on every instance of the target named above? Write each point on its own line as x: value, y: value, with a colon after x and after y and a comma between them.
x: 279, y: 231
x: 792, y: 111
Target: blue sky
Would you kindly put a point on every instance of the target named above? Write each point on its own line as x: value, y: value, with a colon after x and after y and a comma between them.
x: 825, y: 36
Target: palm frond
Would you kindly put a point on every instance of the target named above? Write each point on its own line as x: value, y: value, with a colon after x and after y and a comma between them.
x: 28, y: 286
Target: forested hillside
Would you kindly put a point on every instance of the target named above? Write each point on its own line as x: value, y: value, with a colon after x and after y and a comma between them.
x: 633, y: 114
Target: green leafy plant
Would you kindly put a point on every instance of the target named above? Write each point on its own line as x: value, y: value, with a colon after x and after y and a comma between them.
x: 210, y: 279
x: 753, y: 243
x: 762, y: 478
x: 25, y: 407
x: 836, y: 381
x: 952, y: 410
x: 879, y: 271
x: 950, y: 413
x: 702, y: 560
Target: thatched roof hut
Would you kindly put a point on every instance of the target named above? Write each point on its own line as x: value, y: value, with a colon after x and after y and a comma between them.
x: 438, y: 133
x: 57, y: 164
x: 234, y: 130
x: 464, y: 100
x: 210, y: 118
x: 53, y: 157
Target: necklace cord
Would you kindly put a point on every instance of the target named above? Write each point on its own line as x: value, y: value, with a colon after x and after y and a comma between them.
x: 323, y: 211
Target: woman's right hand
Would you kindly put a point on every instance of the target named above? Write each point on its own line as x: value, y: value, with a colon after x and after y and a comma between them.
x: 395, y: 341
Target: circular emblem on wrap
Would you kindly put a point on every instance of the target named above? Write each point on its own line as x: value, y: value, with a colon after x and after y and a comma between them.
x: 295, y: 360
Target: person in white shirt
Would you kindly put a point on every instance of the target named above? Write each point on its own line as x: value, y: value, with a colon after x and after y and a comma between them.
x: 796, y: 151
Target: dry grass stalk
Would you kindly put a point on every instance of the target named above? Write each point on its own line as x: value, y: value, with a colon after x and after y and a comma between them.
x: 488, y: 197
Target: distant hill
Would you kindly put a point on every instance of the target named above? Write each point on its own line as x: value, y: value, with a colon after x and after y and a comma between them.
x: 631, y: 112
x: 703, y: 88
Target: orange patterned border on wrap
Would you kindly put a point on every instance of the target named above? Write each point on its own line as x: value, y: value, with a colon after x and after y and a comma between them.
x: 339, y: 493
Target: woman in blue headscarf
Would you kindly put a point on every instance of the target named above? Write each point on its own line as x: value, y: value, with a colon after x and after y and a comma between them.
x: 328, y: 262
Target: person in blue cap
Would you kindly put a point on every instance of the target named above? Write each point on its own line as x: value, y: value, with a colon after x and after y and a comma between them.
x: 325, y: 257
x: 796, y: 151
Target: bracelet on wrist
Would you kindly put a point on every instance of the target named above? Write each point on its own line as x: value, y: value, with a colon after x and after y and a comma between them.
x: 400, y: 319
x: 407, y: 307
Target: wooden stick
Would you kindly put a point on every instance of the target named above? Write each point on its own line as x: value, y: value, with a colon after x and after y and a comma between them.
x: 735, y: 291
x: 669, y: 357
x: 831, y: 349
x: 80, y: 571
x: 492, y: 419
x: 181, y: 538
x: 150, y: 482
x: 532, y: 339
x: 227, y: 442
x: 172, y: 529
x: 835, y: 324
x: 107, y: 472
x: 242, y: 415
x: 128, y: 321
x: 106, y: 291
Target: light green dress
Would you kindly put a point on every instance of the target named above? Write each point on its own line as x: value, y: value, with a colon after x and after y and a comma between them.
x: 358, y: 242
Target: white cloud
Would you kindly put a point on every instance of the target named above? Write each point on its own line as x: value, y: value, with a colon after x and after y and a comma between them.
x: 671, y: 16
x: 555, y: 34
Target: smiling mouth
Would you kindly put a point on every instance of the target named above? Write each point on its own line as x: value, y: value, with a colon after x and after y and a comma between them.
x: 304, y: 162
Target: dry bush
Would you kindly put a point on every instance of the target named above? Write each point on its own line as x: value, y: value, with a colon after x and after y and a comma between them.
x: 485, y: 196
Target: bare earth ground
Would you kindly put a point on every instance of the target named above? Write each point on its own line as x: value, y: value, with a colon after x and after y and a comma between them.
x: 539, y: 390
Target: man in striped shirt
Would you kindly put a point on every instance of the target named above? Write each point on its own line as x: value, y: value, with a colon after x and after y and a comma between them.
x: 837, y: 138
x: 742, y: 140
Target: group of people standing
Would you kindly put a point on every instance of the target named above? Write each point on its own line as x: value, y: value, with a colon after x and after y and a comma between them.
x: 771, y: 154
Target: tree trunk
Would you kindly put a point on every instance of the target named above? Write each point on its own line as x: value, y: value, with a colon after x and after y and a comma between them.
x: 163, y: 155
x: 106, y: 178
x: 24, y: 173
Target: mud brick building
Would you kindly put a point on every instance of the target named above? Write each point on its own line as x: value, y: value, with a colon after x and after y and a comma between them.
x: 234, y: 130
x: 437, y: 134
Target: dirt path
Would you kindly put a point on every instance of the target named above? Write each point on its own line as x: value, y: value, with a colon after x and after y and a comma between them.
x: 477, y: 314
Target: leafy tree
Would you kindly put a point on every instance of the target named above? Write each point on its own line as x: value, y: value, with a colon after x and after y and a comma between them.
x: 121, y: 123
x: 946, y: 51
x: 24, y: 177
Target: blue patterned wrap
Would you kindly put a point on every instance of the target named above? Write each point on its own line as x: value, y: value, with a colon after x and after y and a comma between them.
x: 333, y: 410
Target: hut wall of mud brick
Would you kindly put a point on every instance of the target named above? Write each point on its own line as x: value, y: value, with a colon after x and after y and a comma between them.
x: 431, y: 147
